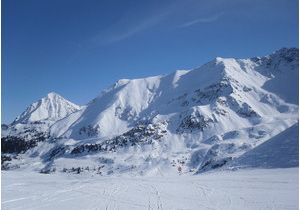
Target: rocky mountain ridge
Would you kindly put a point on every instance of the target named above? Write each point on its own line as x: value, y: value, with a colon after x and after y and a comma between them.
x: 188, y: 121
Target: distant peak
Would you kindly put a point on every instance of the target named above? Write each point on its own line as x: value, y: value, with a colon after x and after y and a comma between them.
x: 51, y: 94
x: 51, y: 107
x: 288, y: 54
x: 286, y: 50
x: 219, y: 59
x: 122, y: 82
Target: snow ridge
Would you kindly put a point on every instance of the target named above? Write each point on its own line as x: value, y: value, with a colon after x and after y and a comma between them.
x: 190, y: 121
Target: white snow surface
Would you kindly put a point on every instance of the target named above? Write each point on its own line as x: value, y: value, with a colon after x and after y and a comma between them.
x: 275, y: 189
x: 281, y: 151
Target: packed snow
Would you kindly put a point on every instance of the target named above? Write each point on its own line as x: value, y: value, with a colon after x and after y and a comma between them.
x: 275, y: 189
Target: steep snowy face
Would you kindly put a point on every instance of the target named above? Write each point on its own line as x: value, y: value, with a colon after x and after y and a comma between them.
x: 220, y: 93
x: 282, y: 69
x: 51, y: 108
x: 131, y: 102
x: 112, y: 112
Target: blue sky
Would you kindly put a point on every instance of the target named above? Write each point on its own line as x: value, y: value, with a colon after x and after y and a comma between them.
x: 77, y: 48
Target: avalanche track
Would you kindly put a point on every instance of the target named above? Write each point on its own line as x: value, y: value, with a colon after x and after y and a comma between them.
x: 244, y: 189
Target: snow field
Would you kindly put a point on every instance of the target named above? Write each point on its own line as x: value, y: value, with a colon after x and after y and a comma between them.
x: 245, y: 189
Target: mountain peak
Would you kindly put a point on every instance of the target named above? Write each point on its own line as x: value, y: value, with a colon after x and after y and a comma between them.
x: 49, y: 108
x: 287, y: 54
x: 52, y: 94
x: 286, y: 50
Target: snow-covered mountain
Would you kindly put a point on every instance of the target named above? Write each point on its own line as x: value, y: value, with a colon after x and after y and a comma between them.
x: 188, y: 121
x: 33, y: 124
x: 51, y: 108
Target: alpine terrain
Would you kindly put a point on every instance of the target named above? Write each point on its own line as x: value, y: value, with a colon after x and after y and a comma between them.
x: 227, y: 114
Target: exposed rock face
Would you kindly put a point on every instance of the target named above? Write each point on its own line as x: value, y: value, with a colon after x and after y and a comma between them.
x: 140, y: 135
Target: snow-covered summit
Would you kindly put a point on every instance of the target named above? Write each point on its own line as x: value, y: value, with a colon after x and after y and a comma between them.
x: 242, y: 82
x: 34, y: 123
x: 196, y: 120
x: 49, y: 108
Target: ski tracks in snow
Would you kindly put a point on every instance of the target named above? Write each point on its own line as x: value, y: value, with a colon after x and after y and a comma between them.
x: 154, y: 199
x: 111, y: 198
x: 158, y: 197
x: 256, y: 189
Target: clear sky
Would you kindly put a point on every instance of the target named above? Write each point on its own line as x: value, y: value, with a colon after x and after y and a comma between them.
x: 79, y: 47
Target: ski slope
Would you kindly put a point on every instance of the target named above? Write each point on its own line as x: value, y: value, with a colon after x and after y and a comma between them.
x: 244, y: 189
